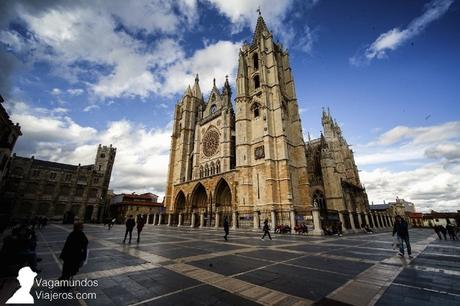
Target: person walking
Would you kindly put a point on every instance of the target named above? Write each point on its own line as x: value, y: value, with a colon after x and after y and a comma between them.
x: 74, y: 252
x: 437, y: 230
x: 402, y: 230
x: 266, y: 230
x: 443, y: 231
x: 140, y: 226
x: 226, y: 228
x: 130, y: 223
x: 450, y: 229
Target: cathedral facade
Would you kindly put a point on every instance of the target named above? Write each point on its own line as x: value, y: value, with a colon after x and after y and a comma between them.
x: 249, y: 161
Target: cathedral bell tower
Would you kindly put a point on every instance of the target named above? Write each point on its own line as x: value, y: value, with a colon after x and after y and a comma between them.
x: 187, y: 110
x: 270, y: 150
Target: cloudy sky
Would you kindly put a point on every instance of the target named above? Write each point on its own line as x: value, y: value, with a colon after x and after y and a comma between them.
x: 79, y: 73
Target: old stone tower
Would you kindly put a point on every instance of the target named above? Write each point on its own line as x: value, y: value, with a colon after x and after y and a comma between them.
x: 251, y: 163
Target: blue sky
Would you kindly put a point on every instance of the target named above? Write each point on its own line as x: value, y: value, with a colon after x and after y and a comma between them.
x: 76, y: 74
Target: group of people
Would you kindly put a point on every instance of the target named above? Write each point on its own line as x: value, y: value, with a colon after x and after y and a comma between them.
x: 301, y: 229
x: 130, y: 224
x: 19, y: 248
x: 282, y: 229
x: 450, y: 229
x: 333, y: 228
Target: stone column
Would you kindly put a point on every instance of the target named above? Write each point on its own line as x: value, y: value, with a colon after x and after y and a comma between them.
x: 179, y: 223
x: 292, y: 217
x: 342, y: 220
x: 94, y: 214
x: 374, y: 219
x: 169, y: 219
x: 154, y: 219
x: 379, y: 217
x: 216, y: 224
x: 256, y: 220
x: 273, y: 217
x: 201, y: 219
x: 385, y: 221
x: 234, y: 221
x: 192, y: 223
x: 392, y: 221
x: 360, y: 220
x: 160, y: 217
x: 366, y: 217
x: 316, y: 222
x: 352, y: 221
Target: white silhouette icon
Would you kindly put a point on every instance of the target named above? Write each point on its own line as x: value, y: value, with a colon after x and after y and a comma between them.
x: 26, y: 279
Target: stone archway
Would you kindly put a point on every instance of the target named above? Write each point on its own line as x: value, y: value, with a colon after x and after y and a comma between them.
x: 319, y: 201
x: 180, y: 201
x: 199, y: 203
x: 199, y: 197
x: 223, y: 194
x: 223, y: 202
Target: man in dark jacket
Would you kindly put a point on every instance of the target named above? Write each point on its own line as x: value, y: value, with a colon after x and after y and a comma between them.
x: 140, y: 226
x: 226, y: 228
x: 74, y: 252
x: 402, y: 230
x: 130, y: 223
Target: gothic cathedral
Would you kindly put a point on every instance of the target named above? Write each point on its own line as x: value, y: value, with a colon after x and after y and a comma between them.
x: 249, y: 162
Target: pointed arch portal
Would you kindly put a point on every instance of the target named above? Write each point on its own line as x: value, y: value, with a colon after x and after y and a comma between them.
x: 223, y: 194
x: 180, y: 200
x: 199, y: 197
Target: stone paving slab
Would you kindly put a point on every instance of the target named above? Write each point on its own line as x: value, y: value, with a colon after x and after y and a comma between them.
x: 176, y: 266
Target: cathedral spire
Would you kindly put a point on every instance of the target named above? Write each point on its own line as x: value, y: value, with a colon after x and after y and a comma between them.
x: 227, y: 90
x: 188, y: 91
x: 260, y: 27
x: 196, y: 91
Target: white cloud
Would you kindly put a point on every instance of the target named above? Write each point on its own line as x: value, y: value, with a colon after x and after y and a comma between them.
x: 55, y: 91
x: 396, y: 37
x: 420, y: 135
x: 50, y: 135
x: 12, y: 40
x: 207, y: 63
x: 65, y: 36
x: 277, y: 14
x: 75, y: 91
x: 243, y: 13
x: 306, y: 40
x: 448, y: 151
x: 421, y: 164
x: 432, y: 186
x: 91, y: 107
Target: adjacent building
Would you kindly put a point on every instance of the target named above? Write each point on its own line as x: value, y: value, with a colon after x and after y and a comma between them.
x: 37, y: 187
x: 9, y: 133
x: 249, y: 161
x: 441, y: 218
x: 137, y: 205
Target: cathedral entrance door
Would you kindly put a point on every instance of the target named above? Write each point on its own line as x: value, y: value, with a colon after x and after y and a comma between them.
x: 88, y: 213
x: 199, y: 202
x: 223, y: 201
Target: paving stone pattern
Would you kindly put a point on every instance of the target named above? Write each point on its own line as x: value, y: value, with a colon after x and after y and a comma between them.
x: 184, y: 266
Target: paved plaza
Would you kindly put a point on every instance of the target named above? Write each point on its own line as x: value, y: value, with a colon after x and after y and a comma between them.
x: 184, y: 266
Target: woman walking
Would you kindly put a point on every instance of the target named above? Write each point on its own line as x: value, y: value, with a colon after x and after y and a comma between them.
x: 266, y: 230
